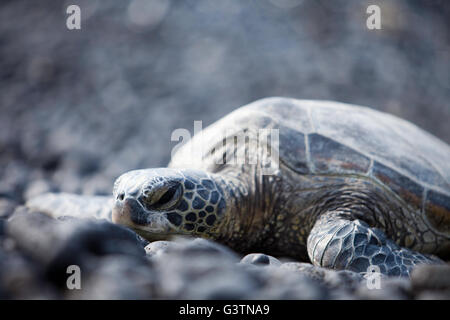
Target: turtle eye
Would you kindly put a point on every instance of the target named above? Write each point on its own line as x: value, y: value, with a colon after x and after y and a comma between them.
x: 167, y: 200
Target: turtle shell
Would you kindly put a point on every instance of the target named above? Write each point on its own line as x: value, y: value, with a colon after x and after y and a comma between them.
x: 324, y: 137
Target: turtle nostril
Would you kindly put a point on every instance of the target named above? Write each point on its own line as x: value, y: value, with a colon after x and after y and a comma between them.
x: 121, y: 196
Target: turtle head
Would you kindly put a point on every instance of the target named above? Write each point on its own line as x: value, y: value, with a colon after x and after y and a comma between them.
x: 160, y: 202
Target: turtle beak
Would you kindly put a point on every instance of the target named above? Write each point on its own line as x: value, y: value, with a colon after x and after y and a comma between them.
x: 129, y: 212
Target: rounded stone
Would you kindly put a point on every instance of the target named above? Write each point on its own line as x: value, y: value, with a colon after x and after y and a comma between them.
x: 158, y: 247
x: 260, y: 259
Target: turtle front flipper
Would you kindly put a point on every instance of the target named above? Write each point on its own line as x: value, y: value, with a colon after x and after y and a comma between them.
x: 59, y: 205
x: 338, y: 242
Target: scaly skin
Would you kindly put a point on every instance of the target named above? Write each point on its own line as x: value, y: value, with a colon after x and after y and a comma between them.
x: 339, y: 243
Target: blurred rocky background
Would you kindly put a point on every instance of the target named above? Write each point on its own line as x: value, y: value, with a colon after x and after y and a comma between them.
x: 80, y: 107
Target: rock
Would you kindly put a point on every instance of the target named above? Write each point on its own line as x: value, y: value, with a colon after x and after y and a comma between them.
x: 14, y: 180
x: 143, y: 242
x: 343, y: 280
x: 97, y: 184
x: 201, y: 269
x: 261, y: 259
x: 81, y: 162
x: 430, y: 277
x: 313, y: 272
x: 282, y: 283
x: 68, y: 181
x: 2, y: 228
x: 21, y: 278
x: 390, y: 288
x: 200, y: 246
x: 75, y: 205
x: 219, y: 281
x: 7, y: 207
x: 58, y: 244
x: 340, y: 283
x: 156, y: 248
x: 38, y: 187
x: 116, y: 277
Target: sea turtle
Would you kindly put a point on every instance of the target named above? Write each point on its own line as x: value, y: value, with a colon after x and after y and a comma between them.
x: 346, y: 186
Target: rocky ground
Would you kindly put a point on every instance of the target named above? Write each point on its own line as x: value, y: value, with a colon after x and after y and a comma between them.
x: 115, y: 263
x: 78, y: 108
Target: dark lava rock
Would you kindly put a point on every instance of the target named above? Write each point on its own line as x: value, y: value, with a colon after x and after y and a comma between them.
x: 280, y: 283
x: 342, y: 279
x: 201, y: 269
x: 261, y: 259
x: 7, y: 207
x: 313, y: 272
x: 58, y: 244
x: 390, y: 288
x: 13, y: 180
x: 116, y: 277
x: 36, y: 251
x: 143, y: 242
x: 341, y: 284
x: 200, y: 246
x: 21, y: 278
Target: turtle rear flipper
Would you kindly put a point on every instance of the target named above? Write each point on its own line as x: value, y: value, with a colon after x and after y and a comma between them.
x: 59, y: 205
